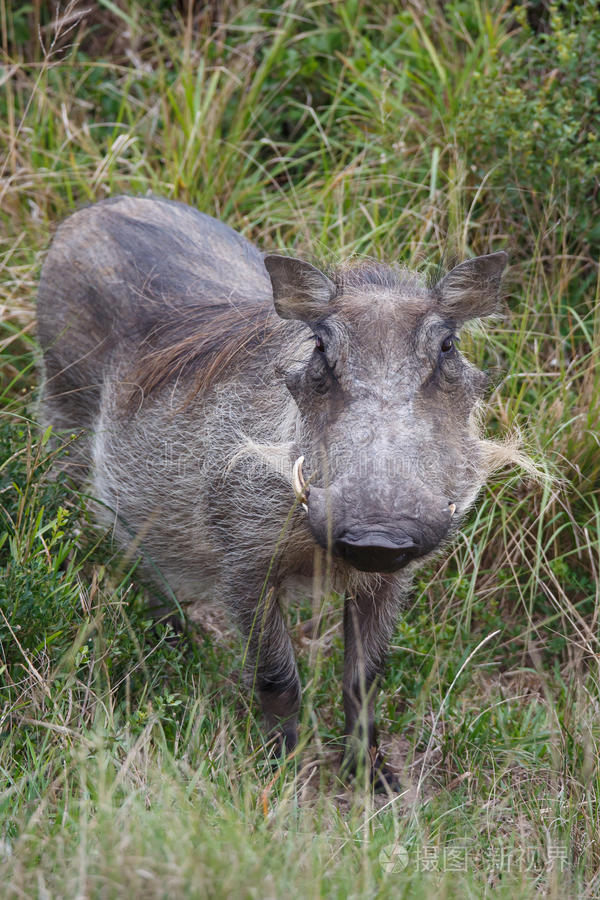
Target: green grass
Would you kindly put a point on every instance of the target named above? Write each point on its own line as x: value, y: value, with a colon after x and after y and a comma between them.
x: 130, y: 761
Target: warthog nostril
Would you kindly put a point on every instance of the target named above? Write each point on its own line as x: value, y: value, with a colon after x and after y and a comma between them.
x: 375, y: 551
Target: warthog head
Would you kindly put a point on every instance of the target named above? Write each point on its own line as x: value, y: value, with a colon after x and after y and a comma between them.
x: 392, y: 456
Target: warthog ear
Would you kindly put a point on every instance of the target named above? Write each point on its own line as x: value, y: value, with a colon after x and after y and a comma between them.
x: 299, y: 290
x: 472, y: 289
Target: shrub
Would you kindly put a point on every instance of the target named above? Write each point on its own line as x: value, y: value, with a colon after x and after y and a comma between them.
x: 529, y: 126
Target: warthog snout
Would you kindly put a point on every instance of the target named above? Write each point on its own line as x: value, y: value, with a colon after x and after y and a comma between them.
x: 361, y: 532
x: 376, y: 550
x: 384, y: 547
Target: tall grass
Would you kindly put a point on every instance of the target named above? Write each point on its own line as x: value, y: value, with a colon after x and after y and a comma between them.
x: 129, y: 761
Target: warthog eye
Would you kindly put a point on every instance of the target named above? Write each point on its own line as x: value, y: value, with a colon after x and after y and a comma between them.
x: 319, y: 344
x: 447, y: 345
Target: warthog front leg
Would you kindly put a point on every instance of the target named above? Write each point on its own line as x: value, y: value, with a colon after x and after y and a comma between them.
x: 368, y: 626
x: 270, y: 667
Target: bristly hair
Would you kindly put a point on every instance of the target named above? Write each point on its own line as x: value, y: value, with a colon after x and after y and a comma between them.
x: 198, y: 345
x: 369, y: 273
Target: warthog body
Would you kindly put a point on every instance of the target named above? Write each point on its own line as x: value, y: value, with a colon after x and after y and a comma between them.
x: 198, y: 371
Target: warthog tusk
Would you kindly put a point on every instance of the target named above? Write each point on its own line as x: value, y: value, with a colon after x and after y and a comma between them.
x: 300, y: 486
x: 451, y: 509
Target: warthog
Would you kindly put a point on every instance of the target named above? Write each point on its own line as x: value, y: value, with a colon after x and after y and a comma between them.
x: 245, y: 419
